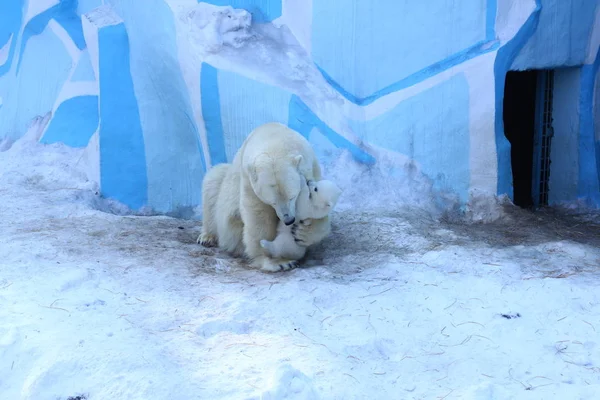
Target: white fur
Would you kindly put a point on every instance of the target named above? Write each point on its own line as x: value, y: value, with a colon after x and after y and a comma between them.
x: 316, y: 200
x: 262, y: 183
x: 211, y: 186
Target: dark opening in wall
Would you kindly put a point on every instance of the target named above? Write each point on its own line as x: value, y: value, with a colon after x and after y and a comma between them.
x: 528, y: 126
x: 519, y: 128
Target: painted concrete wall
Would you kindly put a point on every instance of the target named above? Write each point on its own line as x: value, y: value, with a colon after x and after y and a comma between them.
x: 158, y: 93
x: 589, y: 173
x: 562, y: 35
x: 596, y: 121
x: 564, y: 170
x: 568, y: 34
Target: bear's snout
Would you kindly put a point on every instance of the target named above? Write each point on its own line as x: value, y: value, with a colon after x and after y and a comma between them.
x: 288, y: 220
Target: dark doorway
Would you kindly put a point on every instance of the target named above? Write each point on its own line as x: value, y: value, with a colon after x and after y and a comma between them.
x: 519, y: 116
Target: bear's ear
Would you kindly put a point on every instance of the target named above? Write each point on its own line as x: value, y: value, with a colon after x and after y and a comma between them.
x: 298, y: 159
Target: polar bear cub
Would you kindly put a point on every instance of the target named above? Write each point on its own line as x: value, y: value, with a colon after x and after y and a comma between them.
x: 315, y: 201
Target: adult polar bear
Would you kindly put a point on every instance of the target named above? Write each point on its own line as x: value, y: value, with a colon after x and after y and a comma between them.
x: 262, y: 186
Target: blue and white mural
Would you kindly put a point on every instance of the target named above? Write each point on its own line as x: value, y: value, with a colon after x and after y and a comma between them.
x: 160, y: 90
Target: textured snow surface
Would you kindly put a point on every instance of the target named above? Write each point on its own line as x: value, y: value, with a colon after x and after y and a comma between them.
x: 400, y: 302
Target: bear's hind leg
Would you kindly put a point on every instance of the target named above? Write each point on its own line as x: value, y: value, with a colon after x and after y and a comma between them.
x: 211, y: 187
x: 230, y: 236
x: 209, y: 234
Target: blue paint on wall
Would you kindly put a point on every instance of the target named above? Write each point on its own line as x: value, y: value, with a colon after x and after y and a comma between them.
x: 262, y: 10
x: 84, y: 72
x: 68, y: 18
x: 211, y: 113
x: 432, y: 128
x: 504, y: 59
x: 303, y: 120
x: 490, y: 19
x: 86, y: 6
x: 419, y: 76
x: 35, y: 88
x: 562, y: 36
x: 598, y: 163
x: 245, y: 104
x: 175, y: 163
x: 564, y: 151
x: 597, y: 105
x: 362, y: 57
x: 11, y: 15
x: 65, y: 13
x: 74, y: 122
x: 589, y: 183
x: 597, y: 118
x: 324, y: 149
x: 122, y: 154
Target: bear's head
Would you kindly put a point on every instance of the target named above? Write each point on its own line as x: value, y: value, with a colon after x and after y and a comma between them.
x: 277, y: 182
x: 323, y: 196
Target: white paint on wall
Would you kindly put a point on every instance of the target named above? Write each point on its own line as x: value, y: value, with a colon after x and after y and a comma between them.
x: 64, y: 37
x: 297, y: 15
x: 74, y: 89
x: 36, y: 7
x: 90, y: 158
x: 191, y: 69
x: 482, y: 155
x: 388, y: 102
x: 4, y: 50
x: 510, y: 17
x: 594, y: 43
x: 91, y: 22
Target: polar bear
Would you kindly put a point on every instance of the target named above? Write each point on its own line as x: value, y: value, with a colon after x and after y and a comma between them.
x: 211, y: 186
x: 262, y: 185
x: 316, y: 200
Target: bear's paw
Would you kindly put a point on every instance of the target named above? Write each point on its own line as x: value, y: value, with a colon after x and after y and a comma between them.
x: 207, y: 240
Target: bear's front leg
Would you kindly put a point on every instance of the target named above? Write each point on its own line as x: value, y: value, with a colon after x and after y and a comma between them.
x: 228, y: 216
x: 312, y: 232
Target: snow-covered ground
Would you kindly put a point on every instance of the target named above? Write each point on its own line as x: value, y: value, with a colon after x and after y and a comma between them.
x: 401, y: 302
